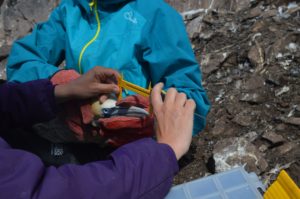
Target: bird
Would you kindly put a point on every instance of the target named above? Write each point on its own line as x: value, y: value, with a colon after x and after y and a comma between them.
x: 109, y: 109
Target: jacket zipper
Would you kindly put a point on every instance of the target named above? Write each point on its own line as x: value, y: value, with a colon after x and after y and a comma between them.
x: 92, y: 5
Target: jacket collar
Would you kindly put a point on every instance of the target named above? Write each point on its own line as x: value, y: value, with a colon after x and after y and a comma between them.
x: 86, y: 6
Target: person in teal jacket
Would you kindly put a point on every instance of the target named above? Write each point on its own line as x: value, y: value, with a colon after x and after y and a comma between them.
x: 145, y: 40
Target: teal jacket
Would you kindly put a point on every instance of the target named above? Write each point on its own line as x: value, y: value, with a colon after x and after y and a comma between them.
x: 145, y: 40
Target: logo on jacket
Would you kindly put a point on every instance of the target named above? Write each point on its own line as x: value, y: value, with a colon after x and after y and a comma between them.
x: 57, y: 150
x: 130, y: 17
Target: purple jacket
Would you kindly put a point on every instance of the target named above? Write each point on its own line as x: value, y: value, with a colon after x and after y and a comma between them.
x: 143, y: 169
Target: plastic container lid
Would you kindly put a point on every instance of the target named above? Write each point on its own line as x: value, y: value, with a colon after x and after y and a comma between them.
x: 233, y: 184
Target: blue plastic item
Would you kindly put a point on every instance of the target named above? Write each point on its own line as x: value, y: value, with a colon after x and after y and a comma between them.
x: 233, y: 184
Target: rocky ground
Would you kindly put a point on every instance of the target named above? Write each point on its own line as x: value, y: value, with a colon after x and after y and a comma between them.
x: 250, y: 59
x: 249, y: 53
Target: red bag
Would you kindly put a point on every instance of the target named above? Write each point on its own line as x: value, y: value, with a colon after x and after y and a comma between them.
x: 117, y: 130
x: 120, y: 130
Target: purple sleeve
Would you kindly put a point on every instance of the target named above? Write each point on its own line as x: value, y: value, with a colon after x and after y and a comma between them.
x: 26, y: 103
x: 143, y: 169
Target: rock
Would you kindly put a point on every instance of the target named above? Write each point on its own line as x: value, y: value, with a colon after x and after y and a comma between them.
x: 195, y: 27
x: 231, y: 5
x: 283, y: 104
x: 292, y: 47
x: 231, y: 60
x: 16, y: 25
x: 297, y: 111
x: 293, y: 171
x: 253, y: 83
x: 206, y: 34
x: 293, y: 10
x: 269, y: 13
x: 222, y: 128
x: 235, y: 5
x: 4, y: 52
x: 233, y: 152
x: 255, y: 87
x: 292, y: 120
x: 274, y: 80
x: 263, y: 148
x: 29, y: 11
x: 254, y: 12
x: 273, y: 137
x: 284, y: 149
x: 278, y: 2
x: 189, y: 15
x: 258, y: 26
x: 3, y: 69
x: 2, y: 31
x: 256, y: 55
x: 278, y: 49
x: 213, y: 61
x: 183, y: 6
x: 282, y: 90
x: 295, y: 71
x: 233, y: 108
x: 19, y: 17
x: 253, y: 98
x: 281, y: 127
x: 243, y: 118
x: 210, y: 18
x: 251, y: 136
x: 241, y: 5
x: 219, y: 127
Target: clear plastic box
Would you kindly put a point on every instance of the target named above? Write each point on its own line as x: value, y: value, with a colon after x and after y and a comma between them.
x: 233, y: 184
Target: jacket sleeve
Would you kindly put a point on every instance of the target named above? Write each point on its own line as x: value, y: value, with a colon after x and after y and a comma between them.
x: 37, y: 55
x: 143, y: 169
x: 170, y: 59
x: 23, y: 104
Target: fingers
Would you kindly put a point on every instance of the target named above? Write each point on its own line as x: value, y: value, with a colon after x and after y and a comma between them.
x: 170, y: 96
x: 180, y: 99
x: 105, y: 71
x: 106, y: 74
x: 107, y: 88
x: 156, y: 99
x: 103, y: 98
x: 190, y: 106
x: 172, y: 99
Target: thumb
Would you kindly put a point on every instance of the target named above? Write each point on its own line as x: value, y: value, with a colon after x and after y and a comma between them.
x: 108, y: 88
x: 156, y: 98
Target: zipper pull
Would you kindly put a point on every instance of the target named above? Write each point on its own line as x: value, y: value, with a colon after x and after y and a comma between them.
x: 92, y: 4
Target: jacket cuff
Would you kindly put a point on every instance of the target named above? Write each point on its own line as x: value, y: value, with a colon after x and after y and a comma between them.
x: 171, y: 156
x: 149, y: 146
x: 46, y: 97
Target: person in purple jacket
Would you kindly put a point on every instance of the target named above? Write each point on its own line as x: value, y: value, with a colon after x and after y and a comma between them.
x: 141, y: 169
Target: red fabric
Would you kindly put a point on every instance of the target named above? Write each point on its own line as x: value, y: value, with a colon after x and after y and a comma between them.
x: 122, y: 130
x: 64, y: 76
x: 77, y: 114
x: 116, y: 131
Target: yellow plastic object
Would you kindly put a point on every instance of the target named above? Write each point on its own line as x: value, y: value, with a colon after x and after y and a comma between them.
x: 123, y: 84
x: 283, y: 188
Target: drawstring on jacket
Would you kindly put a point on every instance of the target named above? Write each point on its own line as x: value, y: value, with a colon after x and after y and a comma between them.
x: 92, y: 4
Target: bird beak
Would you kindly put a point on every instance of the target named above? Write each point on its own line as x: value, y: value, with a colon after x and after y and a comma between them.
x: 131, y: 111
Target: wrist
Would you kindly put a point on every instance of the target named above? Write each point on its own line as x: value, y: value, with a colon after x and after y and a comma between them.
x: 173, y: 147
x: 62, y: 93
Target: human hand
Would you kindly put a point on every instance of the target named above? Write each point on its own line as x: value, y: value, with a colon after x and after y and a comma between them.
x: 174, y: 119
x: 97, y: 81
